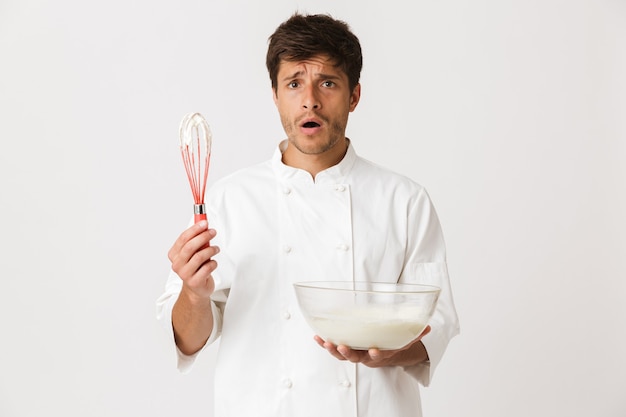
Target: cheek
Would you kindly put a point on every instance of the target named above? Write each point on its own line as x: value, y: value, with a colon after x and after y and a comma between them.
x: 283, y: 108
x: 287, y: 123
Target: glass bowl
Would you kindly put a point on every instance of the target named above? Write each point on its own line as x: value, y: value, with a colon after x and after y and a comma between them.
x: 364, y: 315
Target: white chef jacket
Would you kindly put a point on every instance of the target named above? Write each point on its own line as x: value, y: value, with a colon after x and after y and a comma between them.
x: 276, y: 226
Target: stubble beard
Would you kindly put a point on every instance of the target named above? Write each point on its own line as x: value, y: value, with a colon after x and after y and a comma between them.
x: 336, y: 132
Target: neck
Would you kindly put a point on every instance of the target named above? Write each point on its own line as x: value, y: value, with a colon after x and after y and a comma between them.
x: 315, y: 163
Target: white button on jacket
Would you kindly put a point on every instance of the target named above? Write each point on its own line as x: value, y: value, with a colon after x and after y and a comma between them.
x: 355, y: 221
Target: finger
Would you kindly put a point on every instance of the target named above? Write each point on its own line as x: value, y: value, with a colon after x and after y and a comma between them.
x: 203, y: 278
x: 424, y: 332
x: 200, y: 264
x: 198, y: 255
x: 375, y: 354
x: 332, y: 349
x: 319, y: 340
x: 187, y: 235
x: 206, y: 269
x: 352, y: 355
x: 196, y: 243
x: 195, y: 246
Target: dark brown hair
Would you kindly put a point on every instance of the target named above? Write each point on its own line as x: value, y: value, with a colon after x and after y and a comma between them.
x: 304, y: 36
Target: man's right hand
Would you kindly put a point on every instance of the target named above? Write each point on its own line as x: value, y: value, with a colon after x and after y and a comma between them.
x: 191, y: 259
x: 192, y: 316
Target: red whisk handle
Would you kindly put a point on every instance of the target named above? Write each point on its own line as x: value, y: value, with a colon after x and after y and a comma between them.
x: 199, y: 212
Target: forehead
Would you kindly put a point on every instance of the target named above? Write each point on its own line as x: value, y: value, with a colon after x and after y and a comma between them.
x: 319, y: 64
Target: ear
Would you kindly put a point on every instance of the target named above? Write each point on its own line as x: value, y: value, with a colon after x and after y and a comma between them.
x: 355, y: 97
x: 275, y: 96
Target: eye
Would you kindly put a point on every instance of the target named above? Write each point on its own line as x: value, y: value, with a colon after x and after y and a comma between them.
x: 293, y: 84
x: 328, y: 84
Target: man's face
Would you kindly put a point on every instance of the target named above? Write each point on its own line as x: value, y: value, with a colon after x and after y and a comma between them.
x: 313, y: 98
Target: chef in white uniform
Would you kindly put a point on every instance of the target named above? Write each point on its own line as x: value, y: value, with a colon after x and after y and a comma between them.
x: 314, y: 211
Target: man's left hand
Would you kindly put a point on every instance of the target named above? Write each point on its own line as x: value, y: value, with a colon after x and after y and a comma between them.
x: 411, y: 354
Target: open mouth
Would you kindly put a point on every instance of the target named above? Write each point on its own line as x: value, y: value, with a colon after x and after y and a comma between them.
x: 311, y: 124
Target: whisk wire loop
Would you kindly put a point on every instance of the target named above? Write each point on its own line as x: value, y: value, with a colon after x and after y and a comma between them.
x: 195, y: 147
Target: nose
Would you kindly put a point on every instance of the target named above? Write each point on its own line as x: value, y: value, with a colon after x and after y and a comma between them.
x: 310, y: 100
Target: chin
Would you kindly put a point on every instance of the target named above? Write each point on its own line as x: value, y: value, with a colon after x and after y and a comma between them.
x: 312, y: 148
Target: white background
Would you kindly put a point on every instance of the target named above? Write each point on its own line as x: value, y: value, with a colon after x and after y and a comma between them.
x: 511, y: 113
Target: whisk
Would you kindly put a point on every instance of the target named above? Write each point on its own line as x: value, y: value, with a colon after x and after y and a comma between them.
x: 195, y: 147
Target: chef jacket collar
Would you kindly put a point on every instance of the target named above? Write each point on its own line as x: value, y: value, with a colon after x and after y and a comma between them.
x: 333, y: 175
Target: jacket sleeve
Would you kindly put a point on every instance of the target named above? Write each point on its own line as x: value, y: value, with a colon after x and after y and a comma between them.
x: 426, y: 264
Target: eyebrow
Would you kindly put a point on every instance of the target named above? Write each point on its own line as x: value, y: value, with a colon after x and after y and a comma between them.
x: 298, y: 74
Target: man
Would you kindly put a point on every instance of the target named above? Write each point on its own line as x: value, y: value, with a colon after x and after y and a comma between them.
x: 315, y: 211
